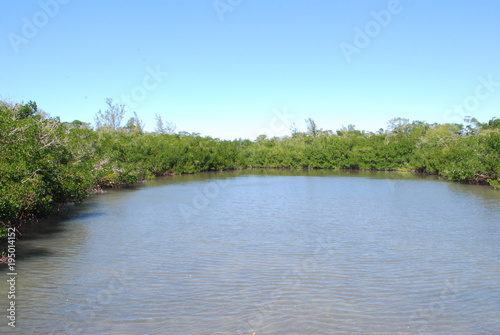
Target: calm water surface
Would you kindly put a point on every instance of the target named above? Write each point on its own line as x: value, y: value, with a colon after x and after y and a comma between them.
x: 270, y: 252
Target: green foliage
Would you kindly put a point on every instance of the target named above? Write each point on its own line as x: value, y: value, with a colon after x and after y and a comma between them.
x: 36, y: 173
x: 44, y: 163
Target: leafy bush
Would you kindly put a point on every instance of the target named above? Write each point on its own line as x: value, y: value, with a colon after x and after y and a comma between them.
x: 44, y: 162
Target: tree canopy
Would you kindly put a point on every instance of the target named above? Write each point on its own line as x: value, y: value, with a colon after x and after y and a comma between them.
x: 45, y: 162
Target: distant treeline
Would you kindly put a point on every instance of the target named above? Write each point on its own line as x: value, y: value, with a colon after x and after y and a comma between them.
x: 45, y: 163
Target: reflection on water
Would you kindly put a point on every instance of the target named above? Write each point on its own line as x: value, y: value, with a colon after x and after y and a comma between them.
x: 270, y: 252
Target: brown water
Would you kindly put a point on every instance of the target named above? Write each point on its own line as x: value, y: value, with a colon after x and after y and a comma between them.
x: 270, y: 252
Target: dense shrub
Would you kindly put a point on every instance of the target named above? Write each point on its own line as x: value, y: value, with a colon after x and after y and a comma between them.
x: 44, y: 162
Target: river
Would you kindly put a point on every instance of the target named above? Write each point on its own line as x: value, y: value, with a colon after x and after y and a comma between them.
x: 265, y: 252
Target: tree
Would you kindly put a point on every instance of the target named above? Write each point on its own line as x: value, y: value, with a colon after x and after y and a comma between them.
x: 492, y: 124
x: 77, y: 124
x: 350, y: 130
x: 25, y: 111
x: 112, y: 117
x: 164, y: 127
x: 134, y: 124
x: 294, y: 130
x: 397, y: 125
x: 312, y: 128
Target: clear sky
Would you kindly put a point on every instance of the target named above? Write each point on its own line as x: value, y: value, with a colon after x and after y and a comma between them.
x: 239, y: 68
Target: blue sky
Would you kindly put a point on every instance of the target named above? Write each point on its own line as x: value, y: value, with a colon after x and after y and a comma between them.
x: 239, y: 68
